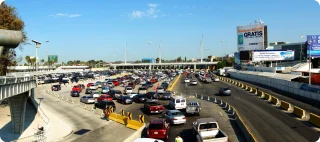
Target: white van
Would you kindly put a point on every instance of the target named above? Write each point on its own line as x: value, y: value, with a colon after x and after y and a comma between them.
x: 178, y: 102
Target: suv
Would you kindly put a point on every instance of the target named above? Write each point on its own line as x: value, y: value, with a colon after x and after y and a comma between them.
x: 225, y: 91
x: 153, y: 106
x: 178, y: 103
x: 158, y: 129
x: 104, y: 104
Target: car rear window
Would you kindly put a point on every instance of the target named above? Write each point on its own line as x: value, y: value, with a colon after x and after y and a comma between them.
x: 154, y: 103
x: 142, y: 89
x: 117, y: 92
x: 183, y: 100
x: 155, y: 126
x: 177, y: 100
x: 110, y: 103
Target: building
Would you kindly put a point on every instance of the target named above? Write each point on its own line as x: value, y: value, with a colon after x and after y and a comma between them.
x: 72, y: 67
x: 299, y: 49
x: 276, y: 45
x: 148, y: 60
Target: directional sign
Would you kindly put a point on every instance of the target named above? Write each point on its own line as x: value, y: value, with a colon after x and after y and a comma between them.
x: 141, y: 118
x: 122, y: 112
x: 129, y: 115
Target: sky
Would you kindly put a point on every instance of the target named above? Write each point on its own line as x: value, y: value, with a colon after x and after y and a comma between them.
x: 101, y: 29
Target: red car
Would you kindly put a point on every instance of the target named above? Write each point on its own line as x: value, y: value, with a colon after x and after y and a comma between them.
x: 158, y: 129
x: 153, y: 80
x: 116, y: 83
x: 90, y: 84
x: 104, y: 97
x: 153, y: 106
x: 76, y: 88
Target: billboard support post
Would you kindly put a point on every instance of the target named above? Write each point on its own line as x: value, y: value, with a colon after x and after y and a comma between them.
x: 301, y: 49
x: 313, y: 49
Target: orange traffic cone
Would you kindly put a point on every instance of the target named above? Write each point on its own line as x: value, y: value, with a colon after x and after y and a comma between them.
x: 154, y: 88
x: 158, y: 85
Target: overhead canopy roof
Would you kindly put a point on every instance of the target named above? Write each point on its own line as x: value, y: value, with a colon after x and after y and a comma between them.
x: 287, y: 77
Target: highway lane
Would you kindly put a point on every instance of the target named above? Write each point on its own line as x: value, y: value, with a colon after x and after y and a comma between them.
x: 296, y: 100
x: 265, y: 121
x: 209, y: 109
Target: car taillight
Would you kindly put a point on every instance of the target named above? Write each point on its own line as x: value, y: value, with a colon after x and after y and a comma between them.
x: 164, y: 132
x: 174, y: 119
x: 184, y: 118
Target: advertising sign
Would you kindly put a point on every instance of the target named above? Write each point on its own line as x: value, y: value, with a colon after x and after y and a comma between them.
x: 313, y: 43
x: 272, y: 55
x: 250, y: 37
x: 53, y: 58
x: 236, y: 57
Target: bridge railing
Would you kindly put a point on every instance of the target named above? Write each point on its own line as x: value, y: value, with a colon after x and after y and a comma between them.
x: 43, y: 72
x: 15, y: 79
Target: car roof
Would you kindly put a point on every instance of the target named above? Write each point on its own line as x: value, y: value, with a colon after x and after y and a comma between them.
x: 152, y: 100
x: 157, y: 121
x: 174, y: 111
x: 193, y: 102
x: 205, y: 120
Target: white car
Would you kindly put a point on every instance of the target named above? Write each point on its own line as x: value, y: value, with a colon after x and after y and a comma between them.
x: 95, y: 94
x: 194, y: 82
x: 160, y: 89
x: 93, y: 87
x: 216, y: 79
x: 187, y: 80
x: 128, y: 90
x: 132, y: 94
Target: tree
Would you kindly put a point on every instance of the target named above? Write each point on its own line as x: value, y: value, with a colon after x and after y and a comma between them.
x: 221, y: 64
x: 157, y: 60
x: 179, y: 59
x: 28, y: 59
x: 9, y: 20
x: 42, y: 61
x: 230, y: 61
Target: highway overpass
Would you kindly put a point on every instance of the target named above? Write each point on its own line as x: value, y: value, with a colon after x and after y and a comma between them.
x: 191, y: 65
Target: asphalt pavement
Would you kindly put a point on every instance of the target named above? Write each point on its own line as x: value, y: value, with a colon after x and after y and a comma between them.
x: 266, y: 122
x: 209, y: 109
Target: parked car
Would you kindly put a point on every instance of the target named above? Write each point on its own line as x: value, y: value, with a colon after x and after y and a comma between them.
x: 187, y: 80
x: 208, y: 80
x: 145, y: 85
x: 56, y: 87
x: 76, y: 88
x: 158, y: 128
x: 142, y: 90
x: 139, y: 98
x: 225, y: 91
x: 128, y: 90
x: 207, y: 129
x: 104, y: 104
x: 110, y: 84
x: 216, y: 79
x: 193, y: 107
x: 93, y: 86
x: 165, y: 85
x: 116, y: 83
x: 132, y: 85
x: 164, y: 96
x: 194, y: 82
x: 153, y: 106
x: 151, y: 95
x: 105, y: 89
x: 115, y: 94
x: 104, y: 97
x: 160, y: 89
x: 175, y: 117
x: 88, y: 91
x: 90, y: 84
x: 87, y: 99
x: 125, y: 100
x: 149, y: 84
x: 74, y: 94
x: 82, y: 86
x: 132, y: 94
x: 95, y: 94
x: 147, y: 140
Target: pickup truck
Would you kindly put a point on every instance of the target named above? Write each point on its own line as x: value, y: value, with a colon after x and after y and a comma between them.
x: 193, y: 107
x: 207, y: 130
x: 153, y: 106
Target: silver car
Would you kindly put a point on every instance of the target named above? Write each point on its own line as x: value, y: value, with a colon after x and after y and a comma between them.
x: 175, y: 117
x: 87, y: 99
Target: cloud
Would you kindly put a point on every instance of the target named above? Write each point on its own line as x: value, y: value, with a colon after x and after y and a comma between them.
x: 151, y: 12
x: 65, y: 15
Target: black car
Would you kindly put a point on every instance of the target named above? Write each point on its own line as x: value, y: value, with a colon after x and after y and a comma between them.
x: 75, y: 94
x: 145, y: 85
x: 88, y: 91
x: 139, y: 98
x: 149, y: 84
x: 165, y: 85
x: 125, y: 100
x: 151, y: 95
x: 104, y: 104
x: 165, y: 96
x: 56, y: 87
x: 115, y: 94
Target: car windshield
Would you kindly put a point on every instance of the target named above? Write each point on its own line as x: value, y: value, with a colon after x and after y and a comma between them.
x: 142, y: 89
x: 125, y: 97
x: 117, y: 92
x: 208, y: 126
x: 128, y: 88
x: 155, y: 126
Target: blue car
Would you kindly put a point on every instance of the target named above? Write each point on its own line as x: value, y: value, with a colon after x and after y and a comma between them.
x: 105, y: 89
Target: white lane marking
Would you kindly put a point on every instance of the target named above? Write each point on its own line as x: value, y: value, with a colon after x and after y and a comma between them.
x: 185, y: 84
x: 199, y: 82
x: 222, y: 116
x: 237, y: 97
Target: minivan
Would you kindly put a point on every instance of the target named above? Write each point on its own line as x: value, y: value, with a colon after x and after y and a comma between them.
x: 178, y: 103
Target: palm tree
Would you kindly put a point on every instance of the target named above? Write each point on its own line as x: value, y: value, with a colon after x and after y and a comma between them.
x: 27, y: 58
x: 33, y: 62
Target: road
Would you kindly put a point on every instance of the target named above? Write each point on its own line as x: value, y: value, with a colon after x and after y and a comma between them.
x: 265, y: 121
x: 209, y: 109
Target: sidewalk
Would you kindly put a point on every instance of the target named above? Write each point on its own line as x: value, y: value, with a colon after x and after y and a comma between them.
x: 32, y: 121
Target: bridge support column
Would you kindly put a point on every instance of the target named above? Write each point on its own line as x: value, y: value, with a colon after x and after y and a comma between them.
x: 195, y: 67
x: 150, y: 67
x: 17, y: 105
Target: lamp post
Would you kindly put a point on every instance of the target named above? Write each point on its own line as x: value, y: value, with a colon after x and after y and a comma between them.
x: 160, y: 51
x: 222, y: 41
x: 150, y: 57
x: 125, y: 54
x: 37, y: 46
x: 201, y: 49
x: 301, y: 49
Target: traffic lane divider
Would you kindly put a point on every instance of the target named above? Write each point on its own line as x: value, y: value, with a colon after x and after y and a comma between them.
x: 275, y: 101
x: 314, y: 119
x: 286, y: 106
x: 299, y: 112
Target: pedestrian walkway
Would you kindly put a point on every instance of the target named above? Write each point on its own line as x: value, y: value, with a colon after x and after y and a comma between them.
x: 32, y: 121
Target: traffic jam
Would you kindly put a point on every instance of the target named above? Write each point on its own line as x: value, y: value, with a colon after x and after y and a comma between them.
x: 149, y: 90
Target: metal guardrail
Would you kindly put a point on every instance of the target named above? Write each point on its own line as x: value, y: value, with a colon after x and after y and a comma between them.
x: 15, y: 79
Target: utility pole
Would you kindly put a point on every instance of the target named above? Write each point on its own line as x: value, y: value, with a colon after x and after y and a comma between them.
x: 125, y: 54
x: 201, y: 49
x: 160, y: 51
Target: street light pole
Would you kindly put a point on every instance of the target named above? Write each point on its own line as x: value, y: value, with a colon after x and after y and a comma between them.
x: 160, y: 51
x: 301, y: 49
x: 222, y: 41
x: 47, y: 55
x: 201, y: 49
x: 125, y: 54
x: 37, y: 46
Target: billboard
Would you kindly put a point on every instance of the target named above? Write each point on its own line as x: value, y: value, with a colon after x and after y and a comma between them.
x: 251, y: 37
x: 272, y: 55
x: 313, y: 43
x: 237, y: 57
x: 53, y: 58
x: 244, y: 55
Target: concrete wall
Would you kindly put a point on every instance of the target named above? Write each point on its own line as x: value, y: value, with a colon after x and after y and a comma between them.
x: 259, y: 69
x: 284, y: 85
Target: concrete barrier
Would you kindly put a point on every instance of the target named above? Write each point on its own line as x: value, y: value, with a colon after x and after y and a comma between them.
x: 286, y: 106
x: 275, y: 101
x: 134, y: 124
x: 314, y: 119
x: 299, y: 112
x: 137, y: 134
x: 266, y: 96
